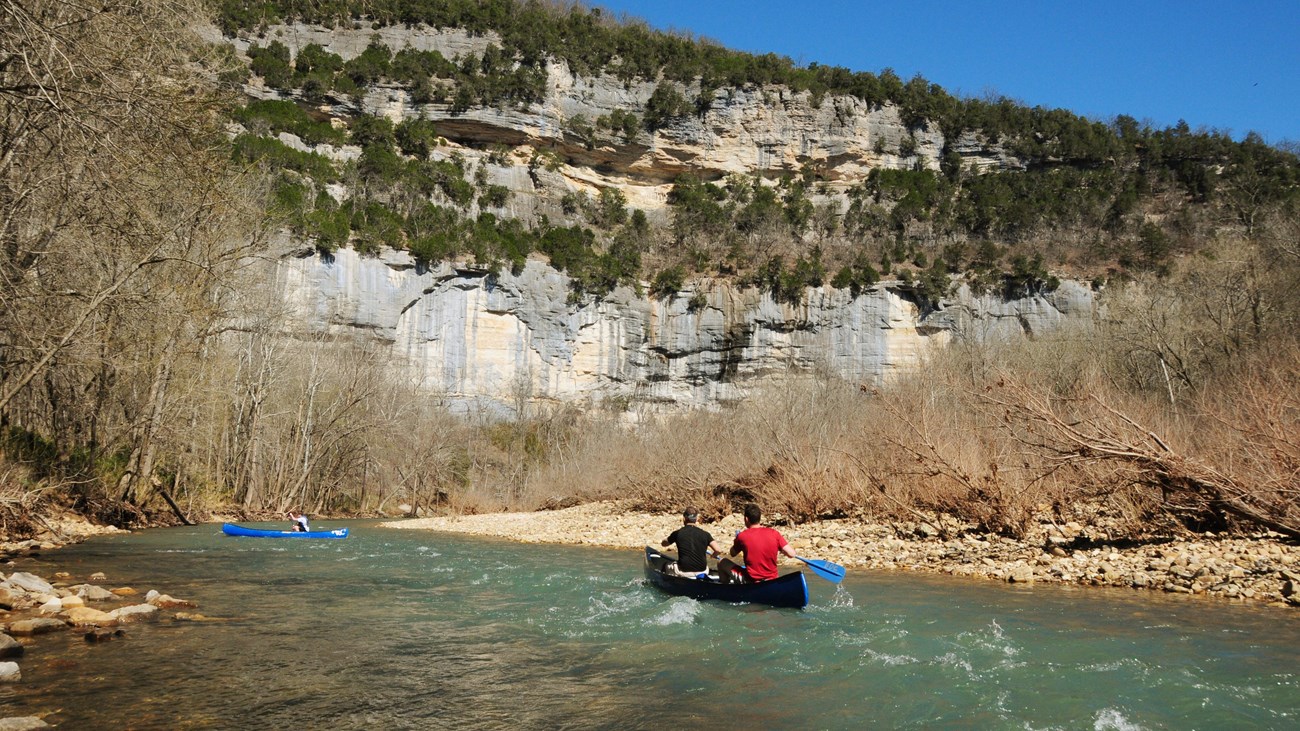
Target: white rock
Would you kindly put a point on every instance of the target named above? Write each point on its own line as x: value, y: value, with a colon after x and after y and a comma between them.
x: 93, y: 593
x: 134, y: 613
x: 23, y: 723
x: 29, y: 582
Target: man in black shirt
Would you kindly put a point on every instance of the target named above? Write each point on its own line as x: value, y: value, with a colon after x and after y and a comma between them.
x: 693, y: 545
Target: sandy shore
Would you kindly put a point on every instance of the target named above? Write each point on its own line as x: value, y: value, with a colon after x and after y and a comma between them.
x: 1255, y: 569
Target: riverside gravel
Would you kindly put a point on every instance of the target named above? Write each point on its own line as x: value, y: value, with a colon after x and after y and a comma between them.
x: 1258, y: 568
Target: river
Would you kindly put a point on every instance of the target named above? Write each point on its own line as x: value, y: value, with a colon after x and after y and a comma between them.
x: 396, y: 629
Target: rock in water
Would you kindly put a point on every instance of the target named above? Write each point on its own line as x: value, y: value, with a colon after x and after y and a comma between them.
x: 9, y: 647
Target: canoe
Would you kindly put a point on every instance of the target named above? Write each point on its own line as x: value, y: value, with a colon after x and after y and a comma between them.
x: 787, y: 590
x: 231, y: 529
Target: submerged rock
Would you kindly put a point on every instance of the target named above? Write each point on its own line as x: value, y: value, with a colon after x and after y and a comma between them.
x: 9, y: 596
x: 9, y: 647
x: 37, y: 626
x: 103, y: 635
x: 87, y: 617
x: 163, y: 601
x: 22, y: 723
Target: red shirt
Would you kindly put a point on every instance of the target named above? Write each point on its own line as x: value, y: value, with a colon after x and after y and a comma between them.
x: 760, y: 544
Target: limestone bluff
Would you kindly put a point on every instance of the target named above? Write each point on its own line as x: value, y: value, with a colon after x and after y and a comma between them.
x: 480, y: 337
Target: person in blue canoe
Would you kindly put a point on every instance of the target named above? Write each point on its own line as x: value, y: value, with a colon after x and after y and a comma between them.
x: 299, y: 522
x: 693, y: 546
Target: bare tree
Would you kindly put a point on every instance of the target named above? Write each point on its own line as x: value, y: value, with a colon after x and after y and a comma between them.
x: 1088, y: 431
x: 121, y: 221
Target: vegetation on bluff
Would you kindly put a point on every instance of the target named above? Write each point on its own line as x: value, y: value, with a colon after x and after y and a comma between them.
x: 1091, y: 198
x: 144, y: 366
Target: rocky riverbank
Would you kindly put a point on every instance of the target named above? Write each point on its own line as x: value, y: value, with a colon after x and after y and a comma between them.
x: 1260, y: 568
x: 32, y: 605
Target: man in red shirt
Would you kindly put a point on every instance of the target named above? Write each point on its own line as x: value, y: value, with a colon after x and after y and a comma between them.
x: 760, y: 545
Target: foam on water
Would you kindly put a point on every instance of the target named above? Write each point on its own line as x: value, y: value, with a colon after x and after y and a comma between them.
x: 1112, y: 719
x: 603, y: 607
x: 954, y: 660
x: 1123, y: 663
x: 887, y: 659
x: 677, y: 611
x: 842, y: 599
x: 991, y: 639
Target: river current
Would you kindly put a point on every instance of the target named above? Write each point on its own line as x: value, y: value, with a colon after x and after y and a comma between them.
x: 397, y: 629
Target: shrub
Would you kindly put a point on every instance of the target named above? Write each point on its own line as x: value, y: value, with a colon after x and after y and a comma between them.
x: 271, y: 63
x: 416, y: 137
x: 285, y: 116
x: 278, y: 156
x: 665, y: 104
x: 494, y: 196
x: 668, y: 282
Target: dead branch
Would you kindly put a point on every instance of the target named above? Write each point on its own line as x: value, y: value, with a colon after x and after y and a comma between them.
x: 1101, y: 433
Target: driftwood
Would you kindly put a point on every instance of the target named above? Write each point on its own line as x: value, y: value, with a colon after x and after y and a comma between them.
x: 1096, y: 433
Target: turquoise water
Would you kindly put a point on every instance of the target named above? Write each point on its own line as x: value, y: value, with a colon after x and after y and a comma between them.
x: 393, y: 629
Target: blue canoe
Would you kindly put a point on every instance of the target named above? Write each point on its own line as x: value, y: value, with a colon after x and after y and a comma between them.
x: 231, y: 529
x: 787, y: 590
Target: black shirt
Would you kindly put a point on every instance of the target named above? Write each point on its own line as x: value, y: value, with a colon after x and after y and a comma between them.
x: 692, y: 547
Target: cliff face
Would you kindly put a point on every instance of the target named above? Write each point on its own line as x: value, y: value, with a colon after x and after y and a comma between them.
x: 490, y: 339
x: 481, y: 338
x: 766, y: 131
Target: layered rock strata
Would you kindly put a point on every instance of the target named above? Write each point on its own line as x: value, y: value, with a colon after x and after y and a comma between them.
x: 765, y: 131
x: 478, y: 336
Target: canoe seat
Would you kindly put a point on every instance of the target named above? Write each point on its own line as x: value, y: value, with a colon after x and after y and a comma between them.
x: 671, y: 569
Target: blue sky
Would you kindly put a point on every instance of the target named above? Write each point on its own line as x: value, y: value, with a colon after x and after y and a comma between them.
x: 1231, y: 65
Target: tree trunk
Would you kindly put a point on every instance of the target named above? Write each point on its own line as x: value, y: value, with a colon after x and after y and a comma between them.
x: 139, y: 473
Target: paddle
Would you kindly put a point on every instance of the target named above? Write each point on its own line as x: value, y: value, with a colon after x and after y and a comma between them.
x: 832, y: 572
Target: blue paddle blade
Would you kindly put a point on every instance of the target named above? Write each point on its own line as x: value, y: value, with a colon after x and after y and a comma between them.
x: 832, y: 572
